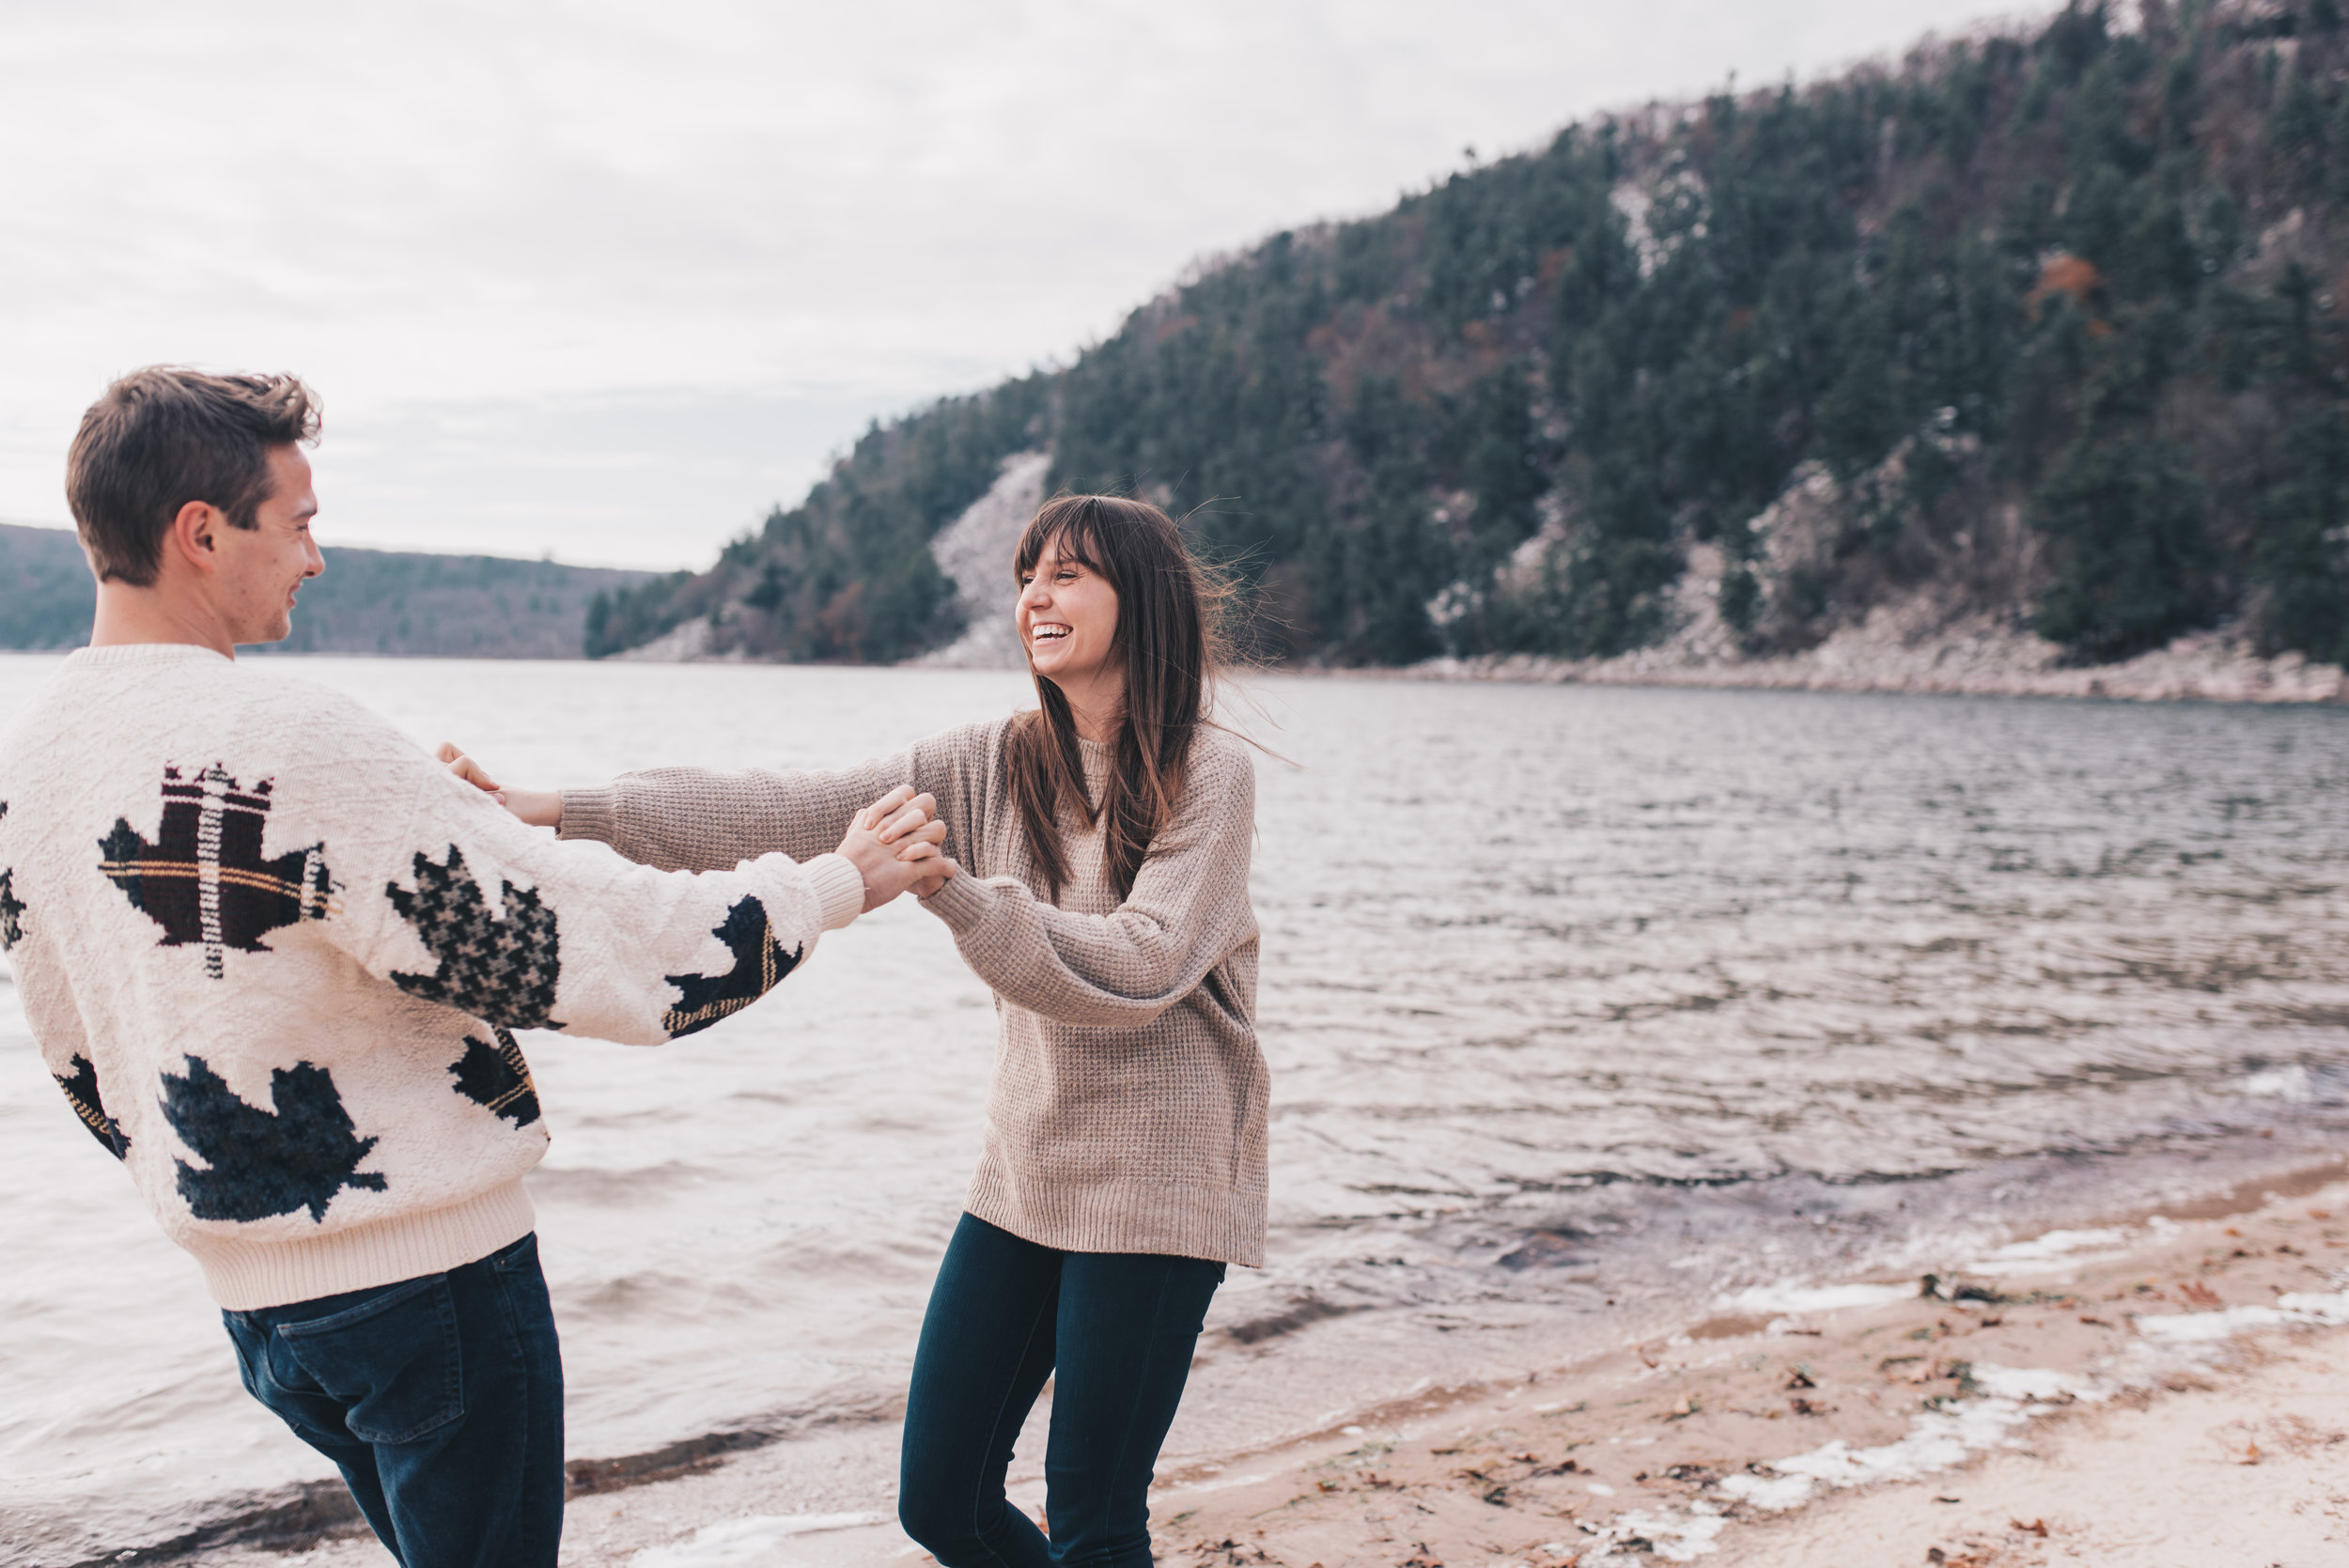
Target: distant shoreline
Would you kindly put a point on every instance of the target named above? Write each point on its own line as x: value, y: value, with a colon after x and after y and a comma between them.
x: 1974, y: 660
x: 2210, y: 667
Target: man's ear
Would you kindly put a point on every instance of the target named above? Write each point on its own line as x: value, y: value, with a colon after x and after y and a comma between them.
x: 195, y: 535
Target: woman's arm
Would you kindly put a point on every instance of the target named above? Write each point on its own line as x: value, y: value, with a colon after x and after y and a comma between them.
x: 1188, y: 910
x: 705, y: 820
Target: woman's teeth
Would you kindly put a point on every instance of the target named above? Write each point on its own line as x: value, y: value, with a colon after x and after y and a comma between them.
x: 1048, y: 633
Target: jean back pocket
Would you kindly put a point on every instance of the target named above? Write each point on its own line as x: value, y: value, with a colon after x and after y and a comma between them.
x: 393, y: 1361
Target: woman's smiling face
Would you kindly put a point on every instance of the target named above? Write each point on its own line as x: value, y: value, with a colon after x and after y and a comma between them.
x: 1067, y: 618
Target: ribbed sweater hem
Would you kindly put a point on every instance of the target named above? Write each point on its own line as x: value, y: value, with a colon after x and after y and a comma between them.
x: 589, y: 814
x: 1126, y: 1216
x: 839, y: 888
x: 247, y: 1276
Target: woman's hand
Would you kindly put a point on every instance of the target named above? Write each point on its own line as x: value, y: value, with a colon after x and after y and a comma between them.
x: 540, y: 808
x: 894, y: 845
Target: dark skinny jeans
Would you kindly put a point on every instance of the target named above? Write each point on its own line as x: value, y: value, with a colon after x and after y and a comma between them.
x: 1113, y: 1329
x: 438, y: 1398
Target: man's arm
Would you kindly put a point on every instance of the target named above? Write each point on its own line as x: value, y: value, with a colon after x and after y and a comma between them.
x: 465, y: 906
x: 61, y: 1035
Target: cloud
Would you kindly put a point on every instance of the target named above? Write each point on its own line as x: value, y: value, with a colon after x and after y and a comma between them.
x: 597, y: 206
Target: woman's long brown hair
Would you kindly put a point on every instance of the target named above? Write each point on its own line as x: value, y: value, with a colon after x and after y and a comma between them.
x: 1167, y: 610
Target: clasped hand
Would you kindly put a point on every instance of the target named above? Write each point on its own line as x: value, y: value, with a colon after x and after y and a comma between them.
x: 894, y: 843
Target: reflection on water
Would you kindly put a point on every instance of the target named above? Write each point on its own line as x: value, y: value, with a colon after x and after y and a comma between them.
x: 1584, y: 1006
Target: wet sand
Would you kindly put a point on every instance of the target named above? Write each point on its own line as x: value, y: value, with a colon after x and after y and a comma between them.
x: 2168, y: 1388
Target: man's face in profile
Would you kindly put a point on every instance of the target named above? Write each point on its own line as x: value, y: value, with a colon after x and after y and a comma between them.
x: 262, y: 567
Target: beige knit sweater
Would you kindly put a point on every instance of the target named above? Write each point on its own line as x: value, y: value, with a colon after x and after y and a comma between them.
x: 1126, y: 1112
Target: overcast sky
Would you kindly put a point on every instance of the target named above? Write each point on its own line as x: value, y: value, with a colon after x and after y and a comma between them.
x: 607, y: 280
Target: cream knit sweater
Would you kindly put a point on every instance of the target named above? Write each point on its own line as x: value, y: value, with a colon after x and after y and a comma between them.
x: 272, y: 953
x: 1127, y: 1114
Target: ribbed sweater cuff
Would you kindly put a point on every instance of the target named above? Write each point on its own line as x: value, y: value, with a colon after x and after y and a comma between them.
x: 962, y: 903
x: 839, y: 885
x: 590, y: 814
x: 247, y: 1276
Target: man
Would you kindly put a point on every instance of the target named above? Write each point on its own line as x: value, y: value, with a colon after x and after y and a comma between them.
x: 274, y: 955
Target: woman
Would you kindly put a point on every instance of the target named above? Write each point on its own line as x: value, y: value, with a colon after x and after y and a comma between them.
x: 1104, y: 838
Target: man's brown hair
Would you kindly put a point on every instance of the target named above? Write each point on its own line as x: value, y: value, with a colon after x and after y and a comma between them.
x: 164, y: 436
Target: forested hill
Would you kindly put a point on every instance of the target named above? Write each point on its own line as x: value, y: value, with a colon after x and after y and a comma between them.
x: 370, y: 602
x: 2048, y: 323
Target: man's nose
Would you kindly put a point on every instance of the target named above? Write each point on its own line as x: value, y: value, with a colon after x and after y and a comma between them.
x: 318, y: 560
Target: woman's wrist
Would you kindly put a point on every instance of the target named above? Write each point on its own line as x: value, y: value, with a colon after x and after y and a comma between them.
x: 540, y: 808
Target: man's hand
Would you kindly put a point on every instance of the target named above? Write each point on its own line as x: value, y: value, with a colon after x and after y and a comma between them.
x: 894, y: 845
x: 540, y: 808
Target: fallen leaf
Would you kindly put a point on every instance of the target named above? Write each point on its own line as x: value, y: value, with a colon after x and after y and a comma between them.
x: 2095, y: 1322
x: 2251, y: 1454
x: 2320, y: 1214
x: 1800, y: 1380
x: 2199, y: 1293
x: 2037, y: 1527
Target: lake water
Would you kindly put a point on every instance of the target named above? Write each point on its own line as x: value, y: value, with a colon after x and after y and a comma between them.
x: 1588, y: 1010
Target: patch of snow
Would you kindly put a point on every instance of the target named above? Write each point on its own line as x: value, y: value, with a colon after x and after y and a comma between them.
x: 1773, y: 1493
x: 2035, y: 1255
x: 1670, y: 1534
x: 1794, y: 1299
x: 2297, y: 1310
x: 2044, y: 1384
x: 743, y: 1542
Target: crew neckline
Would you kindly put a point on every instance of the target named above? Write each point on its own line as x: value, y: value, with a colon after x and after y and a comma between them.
x: 140, y: 653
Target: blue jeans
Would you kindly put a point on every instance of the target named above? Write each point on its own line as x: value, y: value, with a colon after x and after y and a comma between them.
x: 438, y: 1398
x: 1114, y: 1329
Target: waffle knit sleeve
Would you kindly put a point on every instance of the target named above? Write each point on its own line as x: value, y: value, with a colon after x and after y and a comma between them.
x: 702, y: 818
x: 1188, y: 910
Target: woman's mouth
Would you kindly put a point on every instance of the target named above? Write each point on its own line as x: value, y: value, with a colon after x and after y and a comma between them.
x: 1047, y: 631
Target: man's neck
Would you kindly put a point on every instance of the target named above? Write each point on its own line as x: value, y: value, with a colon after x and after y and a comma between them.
x: 128, y: 614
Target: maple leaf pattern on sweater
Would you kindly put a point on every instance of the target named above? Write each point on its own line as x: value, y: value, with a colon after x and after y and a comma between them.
x: 260, y: 1163
x: 205, y: 881
x: 11, y: 910
x: 500, y: 970
x: 81, y: 1091
x: 759, y: 965
x: 497, y: 1078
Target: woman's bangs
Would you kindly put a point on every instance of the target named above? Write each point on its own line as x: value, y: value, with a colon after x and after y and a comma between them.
x: 1070, y: 530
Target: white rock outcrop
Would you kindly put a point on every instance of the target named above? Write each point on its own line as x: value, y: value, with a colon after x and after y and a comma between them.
x: 975, y: 550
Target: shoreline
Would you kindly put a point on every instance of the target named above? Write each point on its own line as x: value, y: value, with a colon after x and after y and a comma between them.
x: 1866, y: 1412
x: 1805, y: 1426
x: 1890, y: 652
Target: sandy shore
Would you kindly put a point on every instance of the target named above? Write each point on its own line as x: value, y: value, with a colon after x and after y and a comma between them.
x: 2161, y: 1390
